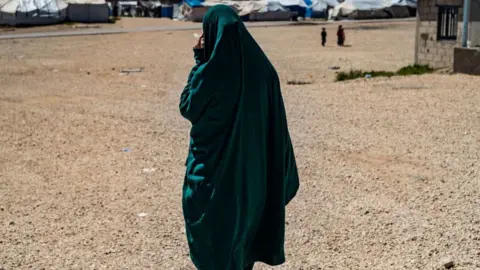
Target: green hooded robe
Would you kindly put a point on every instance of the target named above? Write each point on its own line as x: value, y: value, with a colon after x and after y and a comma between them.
x: 241, y: 169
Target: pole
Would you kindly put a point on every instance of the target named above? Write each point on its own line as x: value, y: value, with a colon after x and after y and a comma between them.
x: 417, y: 38
x: 466, y: 21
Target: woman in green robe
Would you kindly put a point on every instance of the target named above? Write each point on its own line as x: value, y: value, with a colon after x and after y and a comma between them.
x: 240, y: 170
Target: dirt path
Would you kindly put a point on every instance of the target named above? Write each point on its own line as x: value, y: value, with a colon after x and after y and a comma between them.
x: 138, y: 25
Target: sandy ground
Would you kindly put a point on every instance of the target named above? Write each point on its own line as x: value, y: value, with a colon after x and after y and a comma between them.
x: 389, y: 167
x: 123, y: 23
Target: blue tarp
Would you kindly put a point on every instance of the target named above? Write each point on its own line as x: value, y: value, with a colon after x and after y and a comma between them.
x: 308, y: 11
x: 194, y: 3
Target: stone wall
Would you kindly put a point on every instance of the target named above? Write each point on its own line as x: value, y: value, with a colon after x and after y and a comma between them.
x: 427, y: 9
x: 430, y: 51
x: 436, y: 54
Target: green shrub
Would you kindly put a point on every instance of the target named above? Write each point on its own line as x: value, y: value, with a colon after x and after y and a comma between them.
x: 351, y: 75
x: 355, y: 74
x: 298, y: 82
x: 405, y: 71
x: 414, y: 70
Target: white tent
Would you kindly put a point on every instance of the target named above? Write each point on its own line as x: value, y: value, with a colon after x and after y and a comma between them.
x: 32, y: 12
x: 268, y: 10
x: 280, y: 9
x: 319, y: 7
x: 87, y: 11
x: 349, y: 7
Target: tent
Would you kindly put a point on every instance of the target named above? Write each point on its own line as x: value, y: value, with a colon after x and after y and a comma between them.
x: 87, y: 11
x: 272, y: 11
x: 288, y: 9
x: 371, y: 9
x: 320, y: 8
x: 249, y: 10
x: 253, y: 10
x: 195, y: 9
x: 42, y: 12
x: 32, y: 12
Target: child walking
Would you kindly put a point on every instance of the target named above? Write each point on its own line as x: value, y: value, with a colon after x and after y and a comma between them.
x: 324, y: 37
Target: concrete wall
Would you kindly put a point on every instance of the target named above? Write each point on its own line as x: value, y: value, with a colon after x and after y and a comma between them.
x: 474, y: 33
x: 475, y: 11
x: 467, y: 61
x: 87, y: 13
x: 429, y: 51
x: 271, y: 16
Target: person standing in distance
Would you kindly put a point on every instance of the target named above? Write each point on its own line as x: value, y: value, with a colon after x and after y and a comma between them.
x: 324, y: 36
x: 340, y: 36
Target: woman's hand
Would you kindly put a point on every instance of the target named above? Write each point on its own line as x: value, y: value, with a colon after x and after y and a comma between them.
x: 199, y: 44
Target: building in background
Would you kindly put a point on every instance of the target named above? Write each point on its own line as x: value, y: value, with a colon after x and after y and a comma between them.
x: 439, y: 35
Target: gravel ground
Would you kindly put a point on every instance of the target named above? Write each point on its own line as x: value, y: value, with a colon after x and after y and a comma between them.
x: 389, y: 167
x: 123, y: 23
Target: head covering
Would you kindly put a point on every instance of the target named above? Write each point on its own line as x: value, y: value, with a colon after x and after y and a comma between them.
x: 241, y: 169
x: 220, y: 18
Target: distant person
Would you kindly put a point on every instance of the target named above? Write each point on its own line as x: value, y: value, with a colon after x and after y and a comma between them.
x: 340, y: 36
x: 324, y: 37
x: 240, y: 170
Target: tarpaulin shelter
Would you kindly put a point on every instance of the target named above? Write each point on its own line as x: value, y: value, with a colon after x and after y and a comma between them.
x: 87, y: 11
x: 282, y: 9
x: 32, y: 12
x: 277, y: 9
x: 371, y: 9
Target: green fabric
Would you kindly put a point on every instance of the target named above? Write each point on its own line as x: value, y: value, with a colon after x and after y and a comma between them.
x: 241, y: 169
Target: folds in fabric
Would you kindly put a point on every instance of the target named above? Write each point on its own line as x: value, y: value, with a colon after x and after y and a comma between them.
x: 241, y: 169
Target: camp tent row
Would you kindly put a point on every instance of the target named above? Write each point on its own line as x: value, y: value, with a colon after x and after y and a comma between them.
x: 194, y: 10
x: 41, y: 12
x: 371, y: 9
x: 282, y: 9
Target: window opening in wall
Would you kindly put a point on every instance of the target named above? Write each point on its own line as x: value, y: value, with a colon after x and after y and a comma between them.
x: 447, y: 23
